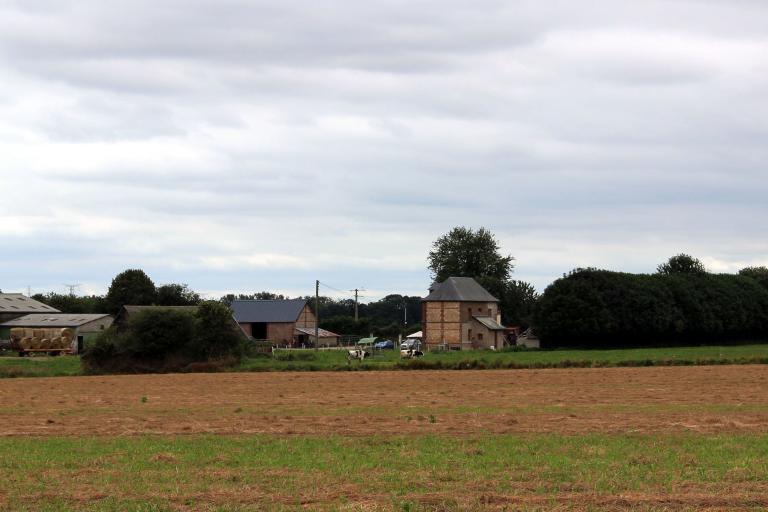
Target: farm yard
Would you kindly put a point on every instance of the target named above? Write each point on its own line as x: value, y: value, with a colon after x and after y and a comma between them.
x: 658, y: 438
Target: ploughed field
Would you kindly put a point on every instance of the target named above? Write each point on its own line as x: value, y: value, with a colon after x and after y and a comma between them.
x: 657, y: 438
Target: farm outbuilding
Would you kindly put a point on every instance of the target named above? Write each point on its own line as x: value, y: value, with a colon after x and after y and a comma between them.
x: 15, y: 305
x: 460, y: 314
x: 281, y: 322
x: 85, y: 327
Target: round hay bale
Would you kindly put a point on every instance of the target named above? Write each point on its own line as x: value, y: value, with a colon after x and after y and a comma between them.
x: 56, y: 342
x: 26, y: 343
x: 66, y: 342
x: 35, y: 344
x: 17, y: 334
x: 67, y: 333
x: 45, y: 343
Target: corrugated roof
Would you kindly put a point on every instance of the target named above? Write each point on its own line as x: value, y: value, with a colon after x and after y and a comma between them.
x: 320, y: 332
x: 460, y: 289
x: 53, y: 320
x: 489, y: 322
x: 267, y: 311
x: 19, y: 303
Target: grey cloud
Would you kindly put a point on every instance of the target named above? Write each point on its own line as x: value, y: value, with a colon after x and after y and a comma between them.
x: 337, y: 133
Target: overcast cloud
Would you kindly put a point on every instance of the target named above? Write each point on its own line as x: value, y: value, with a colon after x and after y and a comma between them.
x: 248, y: 145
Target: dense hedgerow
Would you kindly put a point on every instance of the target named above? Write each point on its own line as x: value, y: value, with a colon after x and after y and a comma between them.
x: 599, y: 308
x: 158, y: 340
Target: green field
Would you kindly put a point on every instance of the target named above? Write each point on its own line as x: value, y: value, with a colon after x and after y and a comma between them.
x: 310, y: 360
x: 393, y: 473
x: 39, y: 366
x: 390, y: 360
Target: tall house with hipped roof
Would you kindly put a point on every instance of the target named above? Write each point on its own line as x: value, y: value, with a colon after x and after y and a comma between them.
x: 459, y: 314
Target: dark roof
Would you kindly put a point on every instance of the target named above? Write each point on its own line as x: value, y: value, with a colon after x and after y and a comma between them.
x: 54, y: 320
x: 489, y: 322
x: 267, y: 311
x: 462, y: 289
x: 18, y: 303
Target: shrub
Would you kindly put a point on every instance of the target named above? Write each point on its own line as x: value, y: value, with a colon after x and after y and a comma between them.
x: 163, y: 339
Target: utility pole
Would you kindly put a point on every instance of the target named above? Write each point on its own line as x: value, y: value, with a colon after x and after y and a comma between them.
x: 317, y: 313
x: 357, y: 290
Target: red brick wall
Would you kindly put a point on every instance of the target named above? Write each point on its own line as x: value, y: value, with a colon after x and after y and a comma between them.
x: 280, y: 333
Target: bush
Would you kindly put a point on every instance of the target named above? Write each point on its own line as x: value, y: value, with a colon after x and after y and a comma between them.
x: 162, y: 340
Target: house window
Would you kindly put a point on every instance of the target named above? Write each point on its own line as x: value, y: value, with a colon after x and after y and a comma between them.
x: 479, y: 336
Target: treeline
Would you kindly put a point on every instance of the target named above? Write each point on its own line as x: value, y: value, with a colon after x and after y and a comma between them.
x: 385, y: 317
x: 680, y: 304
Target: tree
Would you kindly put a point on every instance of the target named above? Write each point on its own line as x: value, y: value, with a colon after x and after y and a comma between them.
x: 759, y: 274
x: 681, y: 264
x: 519, y: 302
x: 176, y: 295
x: 215, y: 333
x: 133, y: 287
x: 72, y: 304
x: 464, y: 252
x: 158, y: 333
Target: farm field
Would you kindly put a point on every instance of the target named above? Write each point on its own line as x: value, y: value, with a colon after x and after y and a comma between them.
x: 658, y: 438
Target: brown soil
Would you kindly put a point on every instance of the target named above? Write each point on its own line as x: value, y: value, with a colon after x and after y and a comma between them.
x: 705, y: 399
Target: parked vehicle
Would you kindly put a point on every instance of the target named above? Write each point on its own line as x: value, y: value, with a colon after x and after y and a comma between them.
x: 385, y: 345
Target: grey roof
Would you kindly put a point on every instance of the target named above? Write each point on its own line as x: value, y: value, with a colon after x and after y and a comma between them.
x: 489, y: 322
x: 463, y: 289
x: 18, y: 303
x: 267, y: 311
x: 54, y: 320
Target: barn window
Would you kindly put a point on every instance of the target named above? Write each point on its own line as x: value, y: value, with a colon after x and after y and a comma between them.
x: 479, y: 336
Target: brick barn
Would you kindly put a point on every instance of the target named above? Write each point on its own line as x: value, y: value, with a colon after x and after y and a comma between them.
x: 460, y: 314
x: 282, y: 322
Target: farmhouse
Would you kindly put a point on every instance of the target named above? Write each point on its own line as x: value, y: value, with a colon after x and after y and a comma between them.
x: 282, y: 322
x: 14, y: 305
x: 460, y: 314
x: 83, y: 326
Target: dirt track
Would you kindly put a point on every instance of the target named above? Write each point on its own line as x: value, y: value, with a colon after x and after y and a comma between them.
x: 705, y: 399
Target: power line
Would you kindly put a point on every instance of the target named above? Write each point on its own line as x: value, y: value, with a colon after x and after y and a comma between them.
x: 334, y: 289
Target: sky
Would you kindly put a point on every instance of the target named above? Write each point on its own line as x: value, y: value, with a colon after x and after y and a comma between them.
x: 239, y: 146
